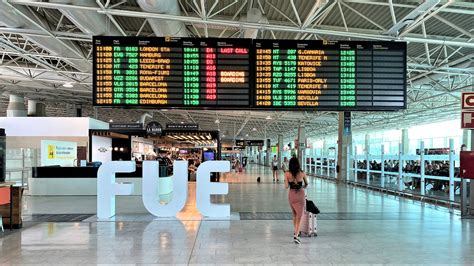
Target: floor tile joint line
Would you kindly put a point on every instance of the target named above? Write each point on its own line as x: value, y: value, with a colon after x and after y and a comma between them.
x: 194, y: 244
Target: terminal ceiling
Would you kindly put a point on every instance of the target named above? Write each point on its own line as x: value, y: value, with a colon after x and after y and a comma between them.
x: 46, y: 44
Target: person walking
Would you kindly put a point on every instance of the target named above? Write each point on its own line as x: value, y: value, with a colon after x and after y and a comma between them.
x: 296, y: 182
x: 275, y: 168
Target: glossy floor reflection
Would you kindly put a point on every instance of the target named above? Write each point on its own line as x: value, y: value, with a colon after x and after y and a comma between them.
x: 357, y: 226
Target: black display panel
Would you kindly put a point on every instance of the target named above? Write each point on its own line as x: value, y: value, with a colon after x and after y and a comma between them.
x: 171, y: 72
x: 214, y: 73
x: 321, y: 75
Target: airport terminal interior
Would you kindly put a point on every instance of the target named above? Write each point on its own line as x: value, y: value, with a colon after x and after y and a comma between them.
x: 236, y: 132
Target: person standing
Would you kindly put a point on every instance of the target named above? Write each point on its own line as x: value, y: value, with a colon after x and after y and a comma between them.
x: 275, y: 168
x: 296, y: 182
x: 284, y: 165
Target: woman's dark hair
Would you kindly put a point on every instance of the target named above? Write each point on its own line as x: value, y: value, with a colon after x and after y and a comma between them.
x: 294, y: 167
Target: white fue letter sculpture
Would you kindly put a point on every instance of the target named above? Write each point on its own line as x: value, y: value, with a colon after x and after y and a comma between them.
x: 151, y: 180
x: 107, y: 188
x: 204, y: 188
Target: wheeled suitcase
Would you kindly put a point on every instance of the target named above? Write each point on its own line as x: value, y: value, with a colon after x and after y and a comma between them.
x: 308, y: 224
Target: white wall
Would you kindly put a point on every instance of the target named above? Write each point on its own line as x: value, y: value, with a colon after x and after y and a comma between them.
x: 99, y: 144
x: 50, y: 126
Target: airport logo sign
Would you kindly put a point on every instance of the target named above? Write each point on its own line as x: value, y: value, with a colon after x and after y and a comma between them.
x: 107, y: 188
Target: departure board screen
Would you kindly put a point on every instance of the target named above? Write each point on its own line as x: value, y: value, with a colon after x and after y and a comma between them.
x: 172, y: 72
x: 317, y: 75
x: 211, y: 73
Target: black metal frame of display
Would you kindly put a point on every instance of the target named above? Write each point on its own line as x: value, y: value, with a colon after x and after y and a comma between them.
x: 252, y: 46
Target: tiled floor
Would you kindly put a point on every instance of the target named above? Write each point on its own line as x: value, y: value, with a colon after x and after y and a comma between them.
x: 356, y: 226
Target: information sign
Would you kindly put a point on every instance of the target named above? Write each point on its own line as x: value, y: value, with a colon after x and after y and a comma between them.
x: 171, y: 72
x: 182, y: 126
x: 467, y: 110
x: 210, y: 73
x: 330, y: 75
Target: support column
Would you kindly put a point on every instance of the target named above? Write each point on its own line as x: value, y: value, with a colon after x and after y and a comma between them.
x: 301, y: 143
x: 405, y: 142
x: 367, y: 144
x: 325, y: 147
x: 268, y: 154
x: 280, y: 149
x: 344, y: 144
x: 466, y: 138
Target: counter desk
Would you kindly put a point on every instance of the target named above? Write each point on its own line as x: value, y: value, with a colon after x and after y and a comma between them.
x: 82, y: 181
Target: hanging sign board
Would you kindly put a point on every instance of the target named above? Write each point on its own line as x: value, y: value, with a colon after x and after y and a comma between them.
x: 182, y: 126
x: 249, y: 143
x: 126, y: 126
x: 154, y: 129
x: 467, y: 111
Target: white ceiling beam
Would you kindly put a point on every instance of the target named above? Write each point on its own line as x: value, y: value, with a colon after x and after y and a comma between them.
x: 454, y: 26
x: 249, y: 25
x: 464, y: 9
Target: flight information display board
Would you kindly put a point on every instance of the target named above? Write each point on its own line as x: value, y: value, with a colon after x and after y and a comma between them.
x: 330, y: 75
x: 171, y: 72
x: 210, y: 73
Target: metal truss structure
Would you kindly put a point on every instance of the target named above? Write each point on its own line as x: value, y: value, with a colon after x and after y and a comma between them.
x: 43, y: 47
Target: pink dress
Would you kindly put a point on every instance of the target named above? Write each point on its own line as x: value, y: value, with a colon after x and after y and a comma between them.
x: 296, y: 198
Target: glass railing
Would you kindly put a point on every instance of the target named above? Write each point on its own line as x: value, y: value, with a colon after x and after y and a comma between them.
x: 20, y: 163
x: 423, y: 175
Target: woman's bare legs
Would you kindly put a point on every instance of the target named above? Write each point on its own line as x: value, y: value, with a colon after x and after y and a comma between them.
x: 294, y: 223
x: 297, y: 224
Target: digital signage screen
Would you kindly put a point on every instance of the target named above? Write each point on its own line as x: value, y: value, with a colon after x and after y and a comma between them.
x: 319, y: 75
x: 209, y: 73
x: 171, y: 72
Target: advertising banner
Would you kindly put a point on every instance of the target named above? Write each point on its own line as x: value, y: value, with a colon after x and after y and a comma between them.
x: 62, y: 153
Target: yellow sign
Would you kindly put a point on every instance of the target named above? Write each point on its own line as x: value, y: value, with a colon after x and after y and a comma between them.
x: 51, y: 151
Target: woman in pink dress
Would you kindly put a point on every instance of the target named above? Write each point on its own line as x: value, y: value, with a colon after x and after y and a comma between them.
x: 295, y: 180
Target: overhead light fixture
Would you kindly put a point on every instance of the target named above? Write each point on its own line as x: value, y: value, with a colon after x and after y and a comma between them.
x: 241, y: 138
x: 111, y: 121
x: 223, y: 135
x: 217, y: 121
x: 68, y: 85
x: 254, y: 129
x: 182, y: 122
x: 246, y: 135
x: 268, y: 117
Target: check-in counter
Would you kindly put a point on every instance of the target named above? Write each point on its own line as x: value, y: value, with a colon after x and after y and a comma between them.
x: 82, y: 181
